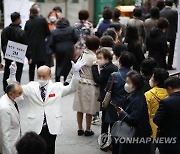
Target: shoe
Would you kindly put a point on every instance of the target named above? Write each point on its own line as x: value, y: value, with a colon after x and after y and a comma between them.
x: 104, y: 149
x: 80, y: 132
x: 170, y: 68
x: 88, y: 133
x: 95, y: 120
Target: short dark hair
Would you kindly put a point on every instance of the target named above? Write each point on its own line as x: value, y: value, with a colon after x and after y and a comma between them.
x: 12, y: 87
x: 107, y: 13
x: 154, y: 13
x: 148, y: 65
x: 33, y: 11
x: 160, y: 75
x: 118, y: 49
x: 116, y: 13
x: 116, y: 26
x: 137, y: 79
x: 169, y: 3
x: 63, y: 21
x: 92, y: 42
x: 57, y: 8
x: 137, y: 12
x: 172, y: 82
x: 31, y: 143
x: 160, y: 4
x: 83, y: 15
x: 106, y: 53
x: 111, y: 32
x: 162, y: 23
x: 15, y: 16
x: 106, y: 41
x: 126, y: 59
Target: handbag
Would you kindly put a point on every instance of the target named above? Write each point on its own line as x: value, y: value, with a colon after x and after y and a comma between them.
x: 107, y: 97
x: 122, y: 129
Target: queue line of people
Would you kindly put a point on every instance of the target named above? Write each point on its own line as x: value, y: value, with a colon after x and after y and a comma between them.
x: 113, y: 53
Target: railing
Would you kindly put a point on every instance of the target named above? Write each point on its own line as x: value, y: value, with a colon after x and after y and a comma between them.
x: 175, y: 74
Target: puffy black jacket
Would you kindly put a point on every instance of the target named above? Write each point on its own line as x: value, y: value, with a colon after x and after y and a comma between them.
x: 63, y: 38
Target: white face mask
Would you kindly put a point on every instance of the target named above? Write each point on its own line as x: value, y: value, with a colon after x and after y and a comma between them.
x: 101, y: 63
x: 59, y: 14
x: 128, y: 88
x: 42, y: 83
x: 19, y: 99
x: 52, y: 19
x: 151, y: 83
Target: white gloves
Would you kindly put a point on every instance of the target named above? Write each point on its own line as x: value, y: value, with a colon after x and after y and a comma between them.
x: 12, y: 76
x: 76, y: 67
x: 13, y: 68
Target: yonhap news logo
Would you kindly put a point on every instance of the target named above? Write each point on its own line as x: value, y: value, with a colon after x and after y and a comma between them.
x: 105, y: 140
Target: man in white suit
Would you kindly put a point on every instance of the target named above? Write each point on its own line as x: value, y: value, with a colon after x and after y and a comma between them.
x: 44, y: 102
x: 10, y: 131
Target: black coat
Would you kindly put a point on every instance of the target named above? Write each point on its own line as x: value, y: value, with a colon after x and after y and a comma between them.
x: 13, y: 33
x: 37, y: 30
x: 172, y: 16
x: 167, y: 118
x: 156, y: 44
x: 136, y: 49
x: 136, y: 112
x: 63, y: 39
x: 102, y: 78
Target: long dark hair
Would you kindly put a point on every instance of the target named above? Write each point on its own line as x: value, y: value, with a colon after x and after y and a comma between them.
x: 131, y: 34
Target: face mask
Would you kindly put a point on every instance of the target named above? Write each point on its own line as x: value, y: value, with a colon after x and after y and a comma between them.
x: 151, y: 83
x: 38, y: 9
x: 42, y: 83
x: 52, y: 19
x: 101, y: 63
x: 59, y: 14
x: 19, y: 99
x: 128, y: 88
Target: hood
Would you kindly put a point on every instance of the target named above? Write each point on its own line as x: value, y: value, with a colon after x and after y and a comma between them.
x: 160, y: 93
x: 62, y: 25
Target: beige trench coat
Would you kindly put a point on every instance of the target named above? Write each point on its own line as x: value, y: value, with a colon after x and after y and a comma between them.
x: 86, y: 96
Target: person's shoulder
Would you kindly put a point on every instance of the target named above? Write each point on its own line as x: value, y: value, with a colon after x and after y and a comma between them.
x: 4, y: 103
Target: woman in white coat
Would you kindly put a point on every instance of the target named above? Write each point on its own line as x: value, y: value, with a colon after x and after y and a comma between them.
x: 87, y: 93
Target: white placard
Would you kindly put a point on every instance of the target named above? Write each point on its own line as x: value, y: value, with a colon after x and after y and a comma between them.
x: 21, y: 6
x: 15, y: 51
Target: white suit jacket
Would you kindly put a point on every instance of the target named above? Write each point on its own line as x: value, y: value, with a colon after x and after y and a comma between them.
x: 9, y: 125
x: 33, y: 108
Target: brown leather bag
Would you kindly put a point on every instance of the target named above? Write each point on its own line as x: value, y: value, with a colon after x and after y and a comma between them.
x: 107, y: 97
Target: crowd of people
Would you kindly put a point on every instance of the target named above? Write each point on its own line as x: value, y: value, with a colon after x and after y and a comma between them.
x: 128, y: 60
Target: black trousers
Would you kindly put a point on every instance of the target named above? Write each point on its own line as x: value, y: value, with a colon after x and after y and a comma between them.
x: 105, y: 126
x: 7, y: 72
x: 171, y: 52
x: 49, y: 139
x: 63, y: 65
x: 32, y: 68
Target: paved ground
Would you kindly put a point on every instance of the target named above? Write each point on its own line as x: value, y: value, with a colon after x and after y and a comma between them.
x: 69, y: 142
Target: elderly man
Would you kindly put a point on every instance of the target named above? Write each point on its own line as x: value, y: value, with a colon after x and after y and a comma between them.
x: 9, y: 118
x: 44, y: 114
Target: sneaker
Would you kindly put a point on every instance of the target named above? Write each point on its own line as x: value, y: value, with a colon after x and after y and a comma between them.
x: 88, y: 133
x: 95, y: 120
x: 80, y: 132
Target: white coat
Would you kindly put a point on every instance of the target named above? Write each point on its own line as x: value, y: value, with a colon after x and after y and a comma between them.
x: 9, y: 125
x: 33, y: 109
